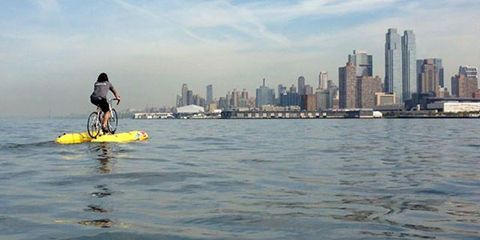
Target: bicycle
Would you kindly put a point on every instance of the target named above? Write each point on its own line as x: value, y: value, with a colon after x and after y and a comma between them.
x: 94, y: 122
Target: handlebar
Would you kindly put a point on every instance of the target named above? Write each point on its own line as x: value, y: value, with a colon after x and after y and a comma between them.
x: 114, y: 99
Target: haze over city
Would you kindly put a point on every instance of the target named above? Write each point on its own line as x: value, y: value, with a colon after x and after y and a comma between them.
x: 52, y: 51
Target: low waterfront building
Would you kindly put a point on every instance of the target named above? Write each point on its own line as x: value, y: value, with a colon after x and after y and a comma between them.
x: 455, y: 107
x: 156, y: 115
x: 189, y: 111
x: 384, y: 99
x: 426, y: 102
x: 285, y: 113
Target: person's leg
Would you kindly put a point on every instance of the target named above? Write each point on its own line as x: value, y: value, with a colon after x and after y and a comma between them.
x: 106, y: 116
x: 106, y: 113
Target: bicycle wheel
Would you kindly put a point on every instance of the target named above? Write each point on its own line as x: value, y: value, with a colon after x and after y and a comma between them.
x: 93, y: 125
x: 113, y: 121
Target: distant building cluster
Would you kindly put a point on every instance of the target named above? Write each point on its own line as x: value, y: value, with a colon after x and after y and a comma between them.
x: 409, y: 83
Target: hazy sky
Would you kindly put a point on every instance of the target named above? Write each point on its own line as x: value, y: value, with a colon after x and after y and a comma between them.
x: 52, y: 51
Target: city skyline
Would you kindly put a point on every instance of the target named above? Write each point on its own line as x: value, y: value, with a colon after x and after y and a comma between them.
x: 150, y: 48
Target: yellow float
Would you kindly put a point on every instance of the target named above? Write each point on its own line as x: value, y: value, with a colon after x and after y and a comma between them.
x: 75, y: 138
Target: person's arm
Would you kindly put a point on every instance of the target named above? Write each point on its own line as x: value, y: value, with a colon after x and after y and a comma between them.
x: 115, y: 93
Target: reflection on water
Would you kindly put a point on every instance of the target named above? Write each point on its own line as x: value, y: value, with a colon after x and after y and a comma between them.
x: 105, y: 159
x: 104, y: 156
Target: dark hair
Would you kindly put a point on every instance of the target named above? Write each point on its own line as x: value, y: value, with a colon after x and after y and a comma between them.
x: 102, y: 77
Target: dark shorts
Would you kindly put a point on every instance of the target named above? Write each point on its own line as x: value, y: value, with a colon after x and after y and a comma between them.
x: 100, y: 102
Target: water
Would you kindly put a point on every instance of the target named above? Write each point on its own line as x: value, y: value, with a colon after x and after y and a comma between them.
x: 244, y: 179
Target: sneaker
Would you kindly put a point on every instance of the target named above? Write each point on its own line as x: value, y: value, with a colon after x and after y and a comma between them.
x: 105, y: 130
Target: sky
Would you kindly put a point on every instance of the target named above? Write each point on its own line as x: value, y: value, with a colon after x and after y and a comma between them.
x: 52, y: 51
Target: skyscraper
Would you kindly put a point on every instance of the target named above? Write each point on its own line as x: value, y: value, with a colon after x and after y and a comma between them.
x: 189, y: 97
x: 184, y: 94
x: 438, y: 64
x: 235, y: 98
x: 264, y: 95
x: 347, y: 81
x: 468, y: 71
x: 308, y: 90
x: 209, y: 94
x: 429, y: 76
x: 393, y: 63
x: 293, y: 89
x: 332, y: 94
x: 323, y: 99
x: 290, y: 98
x: 301, y: 85
x: 367, y: 86
x: 322, y: 80
x: 281, y: 89
x: 363, y: 63
x: 465, y: 83
x: 409, y: 78
x: 243, y: 98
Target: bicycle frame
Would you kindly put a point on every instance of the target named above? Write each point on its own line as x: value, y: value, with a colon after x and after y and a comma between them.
x: 99, y: 119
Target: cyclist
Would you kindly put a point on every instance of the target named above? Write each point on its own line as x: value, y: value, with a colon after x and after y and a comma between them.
x: 99, y: 98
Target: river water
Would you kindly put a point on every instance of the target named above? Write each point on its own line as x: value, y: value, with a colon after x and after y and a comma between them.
x: 244, y: 179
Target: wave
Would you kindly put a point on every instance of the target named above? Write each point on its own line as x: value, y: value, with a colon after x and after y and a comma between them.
x: 17, y: 146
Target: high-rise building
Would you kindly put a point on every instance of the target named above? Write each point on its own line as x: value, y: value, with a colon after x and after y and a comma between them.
x: 290, y: 99
x: 301, y: 85
x: 199, y: 101
x: 367, y: 87
x: 308, y: 90
x: 234, y: 98
x: 243, y: 99
x: 468, y: 71
x: 323, y: 99
x: 264, y: 95
x: 293, y: 88
x: 465, y: 83
x: 209, y: 94
x: 363, y: 63
x: 184, y: 94
x: 438, y: 65
x: 322, y: 80
x: 179, y: 101
x: 189, y: 97
x: 244, y: 94
x: 332, y: 94
x: 222, y: 103
x: 393, y: 63
x: 347, y: 80
x: 281, y: 89
x: 409, y: 70
x: 429, y: 76
x: 309, y: 102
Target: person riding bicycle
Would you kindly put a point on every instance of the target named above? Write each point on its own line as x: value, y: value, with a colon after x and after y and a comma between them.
x: 99, y: 97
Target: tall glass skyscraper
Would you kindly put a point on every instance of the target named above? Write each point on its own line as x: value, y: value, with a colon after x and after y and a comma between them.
x: 409, y: 65
x: 209, y: 94
x: 264, y: 95
x: 363, y: 63
x: 322, y: 80
x: 301, y: 85
x: 393, y: 63
x: 184, y: 94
